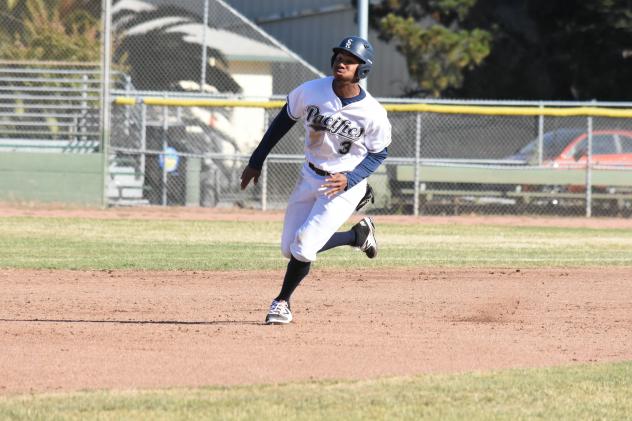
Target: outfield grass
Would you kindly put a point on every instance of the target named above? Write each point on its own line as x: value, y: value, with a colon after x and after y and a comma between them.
x: 580, y: 392
x: 74, y: 243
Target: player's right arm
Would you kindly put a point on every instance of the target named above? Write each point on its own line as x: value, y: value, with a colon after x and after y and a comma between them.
x: 281, y: 124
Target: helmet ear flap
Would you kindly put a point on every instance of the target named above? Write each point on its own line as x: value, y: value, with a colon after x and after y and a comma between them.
x: 363, y: 71
x: 333, y: 57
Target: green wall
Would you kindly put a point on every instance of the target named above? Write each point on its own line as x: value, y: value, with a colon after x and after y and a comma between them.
x: 51, y: 177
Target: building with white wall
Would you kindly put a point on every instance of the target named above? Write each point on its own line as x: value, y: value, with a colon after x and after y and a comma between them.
x: 312, y: 27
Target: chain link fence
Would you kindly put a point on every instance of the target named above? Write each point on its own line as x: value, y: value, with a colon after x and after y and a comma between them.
x: 439, y: 162
x: 173, y: 142
x: 505, y: 164
x: 201, y: 46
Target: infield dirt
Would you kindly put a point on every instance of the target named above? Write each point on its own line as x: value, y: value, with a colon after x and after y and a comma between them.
x: 71, y: 330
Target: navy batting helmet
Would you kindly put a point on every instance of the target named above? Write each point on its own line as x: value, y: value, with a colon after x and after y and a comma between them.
x: 361, y: 49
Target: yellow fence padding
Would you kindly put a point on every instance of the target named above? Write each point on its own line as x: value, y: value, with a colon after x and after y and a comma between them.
x: 396, y: 108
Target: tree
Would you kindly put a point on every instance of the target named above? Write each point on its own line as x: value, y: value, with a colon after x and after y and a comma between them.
x: 160, y: 58
x: 47, y: 30
x: 62, y: 30
x: 572, y: 50
x: 429, y: 33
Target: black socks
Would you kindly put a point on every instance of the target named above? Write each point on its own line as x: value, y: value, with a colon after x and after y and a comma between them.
x: 346, y: 238
x: 296, y: 271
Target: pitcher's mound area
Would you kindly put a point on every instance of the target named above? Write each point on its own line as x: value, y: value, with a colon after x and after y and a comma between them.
x: 69, y: 330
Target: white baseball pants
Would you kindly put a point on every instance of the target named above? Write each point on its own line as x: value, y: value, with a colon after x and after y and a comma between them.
x: 311, y: 218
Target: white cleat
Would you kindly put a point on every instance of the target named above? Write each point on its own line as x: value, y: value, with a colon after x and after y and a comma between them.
x: 279, y: 313
x: 365, y: 234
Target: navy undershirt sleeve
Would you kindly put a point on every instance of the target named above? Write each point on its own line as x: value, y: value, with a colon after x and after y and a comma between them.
x: 369, y: 164
x: 281, y: 124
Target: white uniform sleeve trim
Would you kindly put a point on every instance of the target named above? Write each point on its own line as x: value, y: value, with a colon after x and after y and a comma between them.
x: 289, y: 113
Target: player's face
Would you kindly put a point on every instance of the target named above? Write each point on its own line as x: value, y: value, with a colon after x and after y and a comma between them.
x: 345, y: 66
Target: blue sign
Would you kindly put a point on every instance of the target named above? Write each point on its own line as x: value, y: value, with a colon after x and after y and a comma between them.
x: 169, y: 159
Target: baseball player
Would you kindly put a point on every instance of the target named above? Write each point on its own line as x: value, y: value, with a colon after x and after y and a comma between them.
x: 346, y: 137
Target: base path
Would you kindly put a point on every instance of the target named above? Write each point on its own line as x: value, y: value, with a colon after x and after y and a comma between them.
x: 71, y: 330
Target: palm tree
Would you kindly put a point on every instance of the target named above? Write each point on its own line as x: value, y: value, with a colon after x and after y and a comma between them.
x: 41, y: 31
x: 159, y: 55
x: 61, y: 30
x: 11, y: 17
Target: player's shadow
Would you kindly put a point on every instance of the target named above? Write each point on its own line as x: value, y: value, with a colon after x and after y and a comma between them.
x: 141, y: 322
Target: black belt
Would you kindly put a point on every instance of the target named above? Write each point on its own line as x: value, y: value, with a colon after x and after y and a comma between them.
x: 318, y: 171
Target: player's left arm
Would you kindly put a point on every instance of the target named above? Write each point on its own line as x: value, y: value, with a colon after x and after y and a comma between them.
x: 340, y: 182
x: 366, y: 167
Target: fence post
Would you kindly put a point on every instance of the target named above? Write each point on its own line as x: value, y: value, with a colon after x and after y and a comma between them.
x: 589, y: 169
x: 143, y: 136
x: 128, y: 90
x: 204, y: 58
x: 540, y: 136
x: 264, y: 186
x: 264, y: 170
x: 417, y: 169
x: 165, y: 129
x: 106, y: 46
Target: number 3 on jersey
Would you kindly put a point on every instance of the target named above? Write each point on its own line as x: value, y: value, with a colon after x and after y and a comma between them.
x: 345, y: 146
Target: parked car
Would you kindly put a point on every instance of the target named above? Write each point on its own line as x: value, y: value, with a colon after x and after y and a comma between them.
x: 569, y: 148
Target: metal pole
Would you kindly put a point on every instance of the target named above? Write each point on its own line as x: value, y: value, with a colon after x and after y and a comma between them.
x: 204, y: 58
x: 417, y: 169
x: 264, y: 171
x: 216, y: 188
x: 264, y: 186
x: 363, y: 26
x: 540, y: 136
x: 128, y: 89
x: 165, y: 129
x: 143, y: 137
x: 106, y: 6
x: 589, y: 169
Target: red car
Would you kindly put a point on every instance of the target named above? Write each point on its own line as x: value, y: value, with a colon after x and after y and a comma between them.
x: 569, y: 148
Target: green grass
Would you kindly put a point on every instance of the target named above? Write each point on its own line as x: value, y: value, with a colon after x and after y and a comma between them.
x: 578, y: 392
x: 599, y: 391
x: 74, y: 243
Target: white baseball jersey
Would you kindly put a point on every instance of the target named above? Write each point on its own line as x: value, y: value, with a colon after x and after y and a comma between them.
x: 338, y: 138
